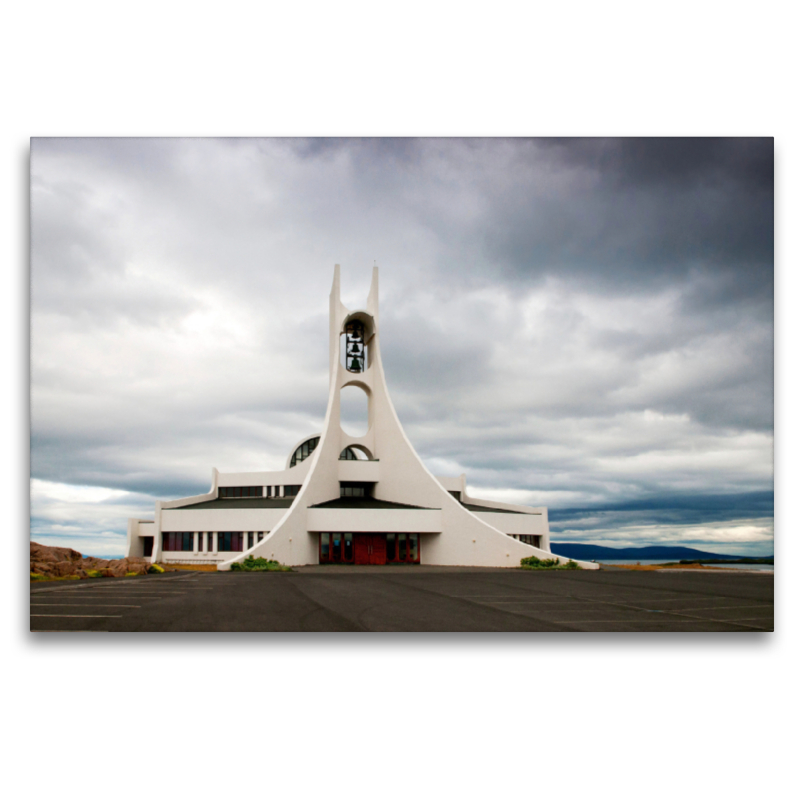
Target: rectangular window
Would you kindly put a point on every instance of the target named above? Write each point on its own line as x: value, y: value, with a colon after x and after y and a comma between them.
x: 177, y: 542
x: 260, y: 535
x: 290, y: 491
x: 230, y: 541
x: 324, y: 546
x: 413, y: 547
x: 350, y: 489
x: 241, y: 491
x: 401, y: 542
x: 391, y: 547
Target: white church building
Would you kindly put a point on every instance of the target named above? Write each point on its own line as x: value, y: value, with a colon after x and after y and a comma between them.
x: 344, y: 499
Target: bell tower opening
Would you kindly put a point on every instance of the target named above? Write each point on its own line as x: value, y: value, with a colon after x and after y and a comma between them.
x: 354, y: 343
x: 354, y: 411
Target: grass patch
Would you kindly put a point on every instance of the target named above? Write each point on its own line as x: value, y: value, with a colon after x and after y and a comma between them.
x: 251, y: 564
x: 35, y: 576
x: 531, y: 562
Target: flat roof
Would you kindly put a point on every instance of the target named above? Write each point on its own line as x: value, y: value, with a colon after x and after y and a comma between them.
x: 239, y: 502
x: 339, y: 502
x: 367, y: 502
x: 473, y: 507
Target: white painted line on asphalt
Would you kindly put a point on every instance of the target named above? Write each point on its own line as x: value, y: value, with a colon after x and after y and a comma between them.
x: 717, y: 571
x: 542, y: 602
x: 82, y: 605
x: 765, y: 606
x: 103, y: 616
x: 110, y: 593
x: 527, y: 596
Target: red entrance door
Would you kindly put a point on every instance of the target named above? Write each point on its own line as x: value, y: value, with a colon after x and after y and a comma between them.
x: 362, y: 548
x: 370, y: 548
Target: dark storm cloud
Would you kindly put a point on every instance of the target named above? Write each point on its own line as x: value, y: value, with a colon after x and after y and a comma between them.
x: 680, y: 509
x: 641, y: 211
x: 577, y: 323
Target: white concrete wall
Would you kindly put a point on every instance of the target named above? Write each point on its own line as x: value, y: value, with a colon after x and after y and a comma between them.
x: 221, y: 519
x: 367, y: 471
x: 377, y: 520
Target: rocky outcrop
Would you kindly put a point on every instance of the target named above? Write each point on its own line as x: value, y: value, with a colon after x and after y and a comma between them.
x: 63, y: 562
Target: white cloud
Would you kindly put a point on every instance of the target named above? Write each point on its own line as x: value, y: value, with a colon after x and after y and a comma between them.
x: 47, y: 490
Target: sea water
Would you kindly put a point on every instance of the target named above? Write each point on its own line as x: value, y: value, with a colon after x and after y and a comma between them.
x: 645, y: 562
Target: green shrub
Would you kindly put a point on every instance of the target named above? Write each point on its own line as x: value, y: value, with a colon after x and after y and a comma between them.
x: 531, y: 562
x: 252, y: 564
x: 94, y: 573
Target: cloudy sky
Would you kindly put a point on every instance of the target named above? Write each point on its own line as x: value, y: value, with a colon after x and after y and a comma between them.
x: 583, y: 324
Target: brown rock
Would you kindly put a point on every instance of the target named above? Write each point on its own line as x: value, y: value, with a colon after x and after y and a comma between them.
x: 44, y: 553
x: 62, y: 568
x: 41, y: 552
x: 63, y: 561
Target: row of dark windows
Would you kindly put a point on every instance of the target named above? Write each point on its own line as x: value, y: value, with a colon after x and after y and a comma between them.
x: 304, y: 451
x: 352, y: 489
x: 307, y: 448
x: 228, y: 492
x: 525, y: 538
x: 227, y: 541
x: 241, y: 491
x: 178, y: 541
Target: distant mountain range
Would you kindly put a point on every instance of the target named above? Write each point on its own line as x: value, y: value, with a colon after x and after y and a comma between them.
x: 588, y: 552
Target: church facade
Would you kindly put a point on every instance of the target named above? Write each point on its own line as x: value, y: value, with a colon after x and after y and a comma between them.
x: 344, y: 499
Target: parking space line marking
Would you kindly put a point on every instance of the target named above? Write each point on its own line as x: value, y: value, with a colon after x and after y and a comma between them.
x: 94, y: 597
x: 104, y: 616
x: 765, y: 606
x: 113, y: 593
x: 82, y: 605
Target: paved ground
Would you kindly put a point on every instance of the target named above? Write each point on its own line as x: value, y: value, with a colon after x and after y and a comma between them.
x: 341, y: 598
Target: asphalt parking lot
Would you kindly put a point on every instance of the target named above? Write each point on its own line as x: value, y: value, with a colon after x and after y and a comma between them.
x: 418, y: 599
